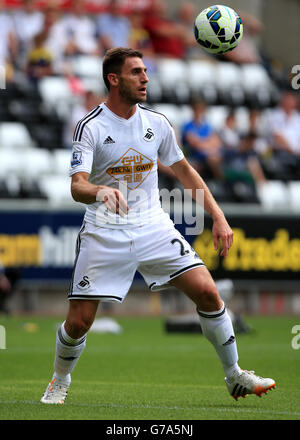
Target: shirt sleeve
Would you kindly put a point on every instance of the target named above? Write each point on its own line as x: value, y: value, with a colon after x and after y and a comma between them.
x: 82, y: 153
x: 169, y: 151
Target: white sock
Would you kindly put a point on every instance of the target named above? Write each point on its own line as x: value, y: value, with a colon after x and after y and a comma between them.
x: 217, y: 328
x: 68, y: 351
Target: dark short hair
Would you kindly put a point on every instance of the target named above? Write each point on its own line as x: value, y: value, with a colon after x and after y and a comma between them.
x: 230, y: 114
x: 197, y: 102
x: 114, y: 59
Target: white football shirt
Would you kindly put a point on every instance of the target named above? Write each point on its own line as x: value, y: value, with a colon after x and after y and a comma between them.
x: 122, y: 154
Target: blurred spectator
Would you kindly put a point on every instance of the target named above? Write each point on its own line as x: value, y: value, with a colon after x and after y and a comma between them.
x: 257, y: 125
x: 113, y: 28
x: 139, y: 39
x: 229, y: 135
x: 39, y: 60
x: 89, y: 101
x: 201, y: 143
x: 169, y: 37
x: 128, y: 6
x: 284, y: 124
x: 8, y: 42
x: 8, y: 282
x: 284, y: 132
x: 247, y: 51
x: 28, y: 23
x: 186, y: 15
x: 80, y: 31
x: 249, y: 159
x: 53, y: 38
x: 240, y: 159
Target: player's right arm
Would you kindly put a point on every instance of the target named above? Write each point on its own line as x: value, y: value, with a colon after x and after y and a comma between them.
x: 82, y: 189
x: 85, y: 192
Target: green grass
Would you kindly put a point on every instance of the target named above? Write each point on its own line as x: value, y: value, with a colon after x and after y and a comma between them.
x: 146, y: 374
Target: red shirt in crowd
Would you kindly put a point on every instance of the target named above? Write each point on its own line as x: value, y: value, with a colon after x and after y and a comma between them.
x: 163, y: 45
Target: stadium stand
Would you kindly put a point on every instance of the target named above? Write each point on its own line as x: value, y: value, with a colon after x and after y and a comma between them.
x: 14, y: 136
x: 33, y: 121
x: 201, y: 80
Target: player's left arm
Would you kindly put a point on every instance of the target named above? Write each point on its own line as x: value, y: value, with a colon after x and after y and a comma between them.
x: 192, y: 181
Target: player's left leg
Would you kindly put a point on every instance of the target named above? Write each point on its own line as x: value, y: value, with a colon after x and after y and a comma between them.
x: 216, y: 325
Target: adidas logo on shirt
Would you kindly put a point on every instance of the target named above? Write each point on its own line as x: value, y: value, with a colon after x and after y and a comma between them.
x: 109, y: 140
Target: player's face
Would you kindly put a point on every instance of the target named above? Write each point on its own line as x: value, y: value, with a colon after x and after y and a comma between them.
x: 133, y: 81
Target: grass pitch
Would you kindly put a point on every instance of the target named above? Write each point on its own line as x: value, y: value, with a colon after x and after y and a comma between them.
x: 146, y: 374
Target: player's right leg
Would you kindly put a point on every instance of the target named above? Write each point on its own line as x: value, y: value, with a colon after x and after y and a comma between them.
x: 104, y: 269
x: 70, y: 343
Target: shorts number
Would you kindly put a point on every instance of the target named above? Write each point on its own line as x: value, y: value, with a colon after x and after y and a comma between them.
x: 182, y: 250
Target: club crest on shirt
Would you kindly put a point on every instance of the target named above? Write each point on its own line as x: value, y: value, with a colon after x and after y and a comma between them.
x: 84, y: 283
x: 149, y: 136
x: 76, y: 158
x: 133, y: 167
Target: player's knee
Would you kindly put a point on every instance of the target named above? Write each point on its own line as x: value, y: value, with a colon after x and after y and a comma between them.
x: 79, y: 326
x: 209, y: 299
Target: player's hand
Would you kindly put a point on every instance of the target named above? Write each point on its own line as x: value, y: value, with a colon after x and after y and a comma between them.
x: 222, y: 231
x: 113, y: 200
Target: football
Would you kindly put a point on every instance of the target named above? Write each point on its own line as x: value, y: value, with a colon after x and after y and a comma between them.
x: 218, y: 29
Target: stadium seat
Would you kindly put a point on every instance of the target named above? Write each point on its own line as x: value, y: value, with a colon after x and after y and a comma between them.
x: 154, y: 89
x: 171, y: 112
x: 10, y: 163
x: 4, y: 190
x: 37, y: 162
x: 254, y: 76
x: 176, y: 114
x: 56, y: 94
x: 242, y: 119
x: 48, y: 135
x: 54, y: 88
x: 89, y: 70
x: 216, y: 115
x: 220, y: 190
x: 294, y: 194
x: 61, y: 161
x: 202, y: 80
x: 244, y: 192
x: 95, y: 85
x: 15, y: 136
x: 4, y: 111
x: 173, y: 78
x: 57, y: 188
x: 273, y: 194
x: 228, y: 78
x: 87, y: 66
x: 257, y: 84
x: 25, y: 110
x: 185, y: 114
x: 30, y: 189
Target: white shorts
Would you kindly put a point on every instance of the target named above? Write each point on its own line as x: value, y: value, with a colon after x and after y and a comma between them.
x: 107, y: 259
